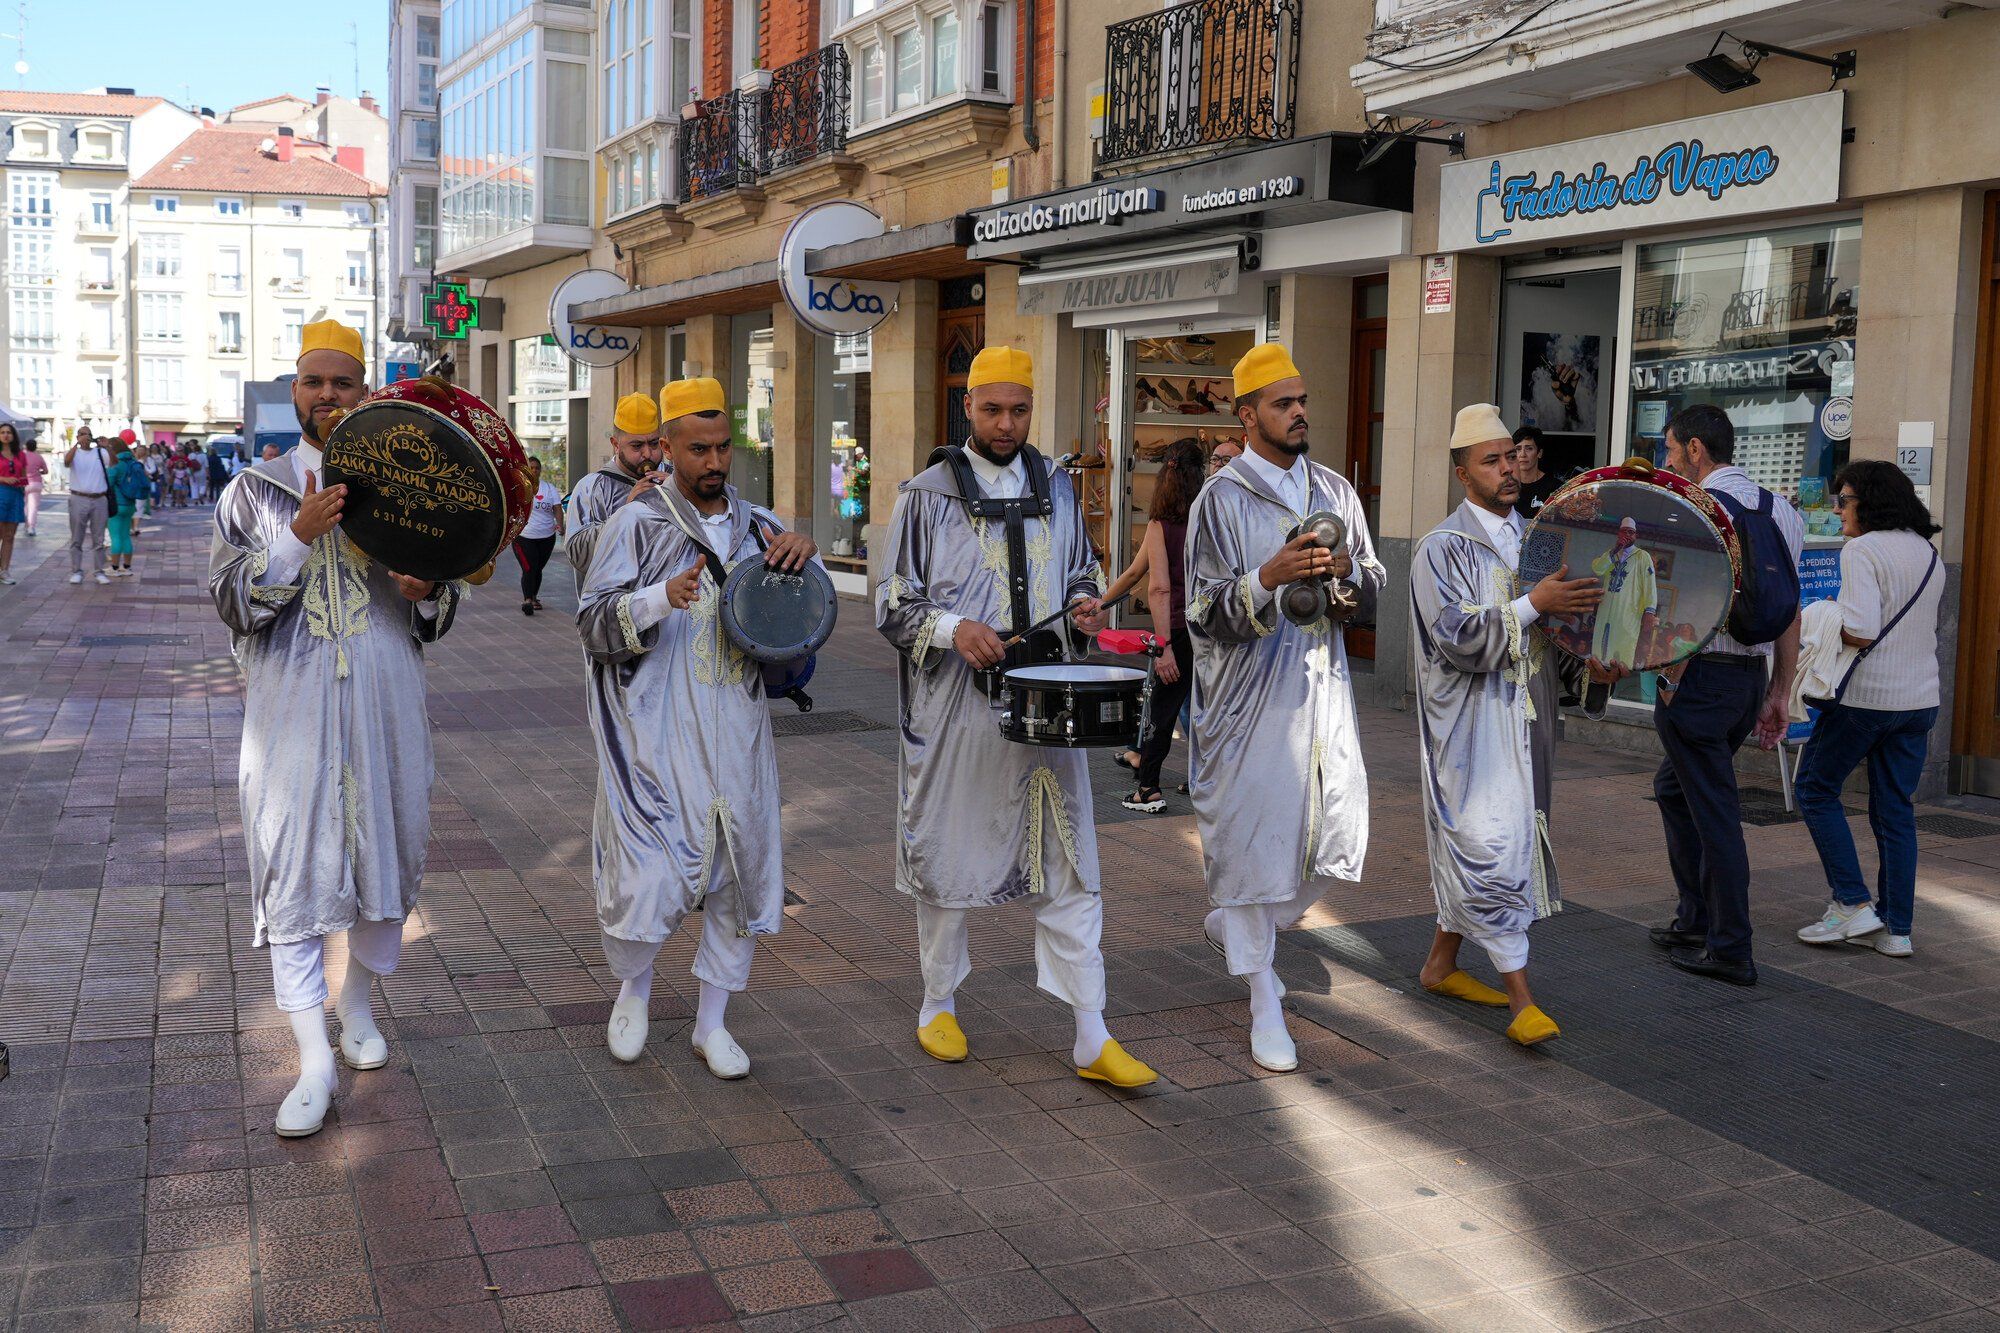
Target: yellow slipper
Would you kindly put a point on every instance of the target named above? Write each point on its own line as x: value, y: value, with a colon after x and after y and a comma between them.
x: 1532, y: 1025
x: 1464, y: 986
x: 1118, y: 1069
x: 942, y: 1038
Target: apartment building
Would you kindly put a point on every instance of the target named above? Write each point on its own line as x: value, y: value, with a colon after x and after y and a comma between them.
x: 410, y: 249
x: 67, y: 159
x: 241, y: 235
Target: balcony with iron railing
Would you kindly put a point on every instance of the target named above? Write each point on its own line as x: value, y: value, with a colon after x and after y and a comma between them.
x: 1202, y: 76
x: 226, y: 284
x: 99, y: 344
x: 90, y: 228
x: 748, y: 135
x: 96, y: 284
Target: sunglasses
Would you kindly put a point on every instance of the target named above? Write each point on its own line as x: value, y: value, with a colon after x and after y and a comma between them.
x: 1844, y: 499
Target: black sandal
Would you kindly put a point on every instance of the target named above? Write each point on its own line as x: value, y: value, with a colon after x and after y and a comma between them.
x: 1130, y: 766
x: 1144, y: 804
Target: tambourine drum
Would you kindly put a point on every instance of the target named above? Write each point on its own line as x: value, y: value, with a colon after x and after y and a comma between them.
x: 774, y: 616
x: 1073, y: 705
x: 1661, y: 548
x: 437, y: 484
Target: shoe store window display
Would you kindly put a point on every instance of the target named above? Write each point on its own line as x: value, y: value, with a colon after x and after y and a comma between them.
x: 337, y: 766
x: 1880, y: 711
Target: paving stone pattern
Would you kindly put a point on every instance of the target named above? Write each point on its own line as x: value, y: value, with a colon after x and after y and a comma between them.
x: 1815, y: 1154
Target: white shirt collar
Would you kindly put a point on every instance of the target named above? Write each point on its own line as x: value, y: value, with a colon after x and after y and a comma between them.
x: 306, y: 457
x: 1494, y: 523
x: 999, y: 479
x: 1287, y: 482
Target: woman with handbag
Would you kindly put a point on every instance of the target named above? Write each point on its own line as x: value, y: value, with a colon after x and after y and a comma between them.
x: 1882, y: 710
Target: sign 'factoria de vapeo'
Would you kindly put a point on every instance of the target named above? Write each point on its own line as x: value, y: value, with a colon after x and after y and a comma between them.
x: 1758, y: 160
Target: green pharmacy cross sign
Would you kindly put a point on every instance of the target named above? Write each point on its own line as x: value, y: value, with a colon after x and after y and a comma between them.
x: 449, y: 311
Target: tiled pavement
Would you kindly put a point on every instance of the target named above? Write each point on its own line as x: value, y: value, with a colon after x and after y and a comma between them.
x: 1818, y: 1154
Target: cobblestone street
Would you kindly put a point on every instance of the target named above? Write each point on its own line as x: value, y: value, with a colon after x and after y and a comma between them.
x: 1819, y: 1153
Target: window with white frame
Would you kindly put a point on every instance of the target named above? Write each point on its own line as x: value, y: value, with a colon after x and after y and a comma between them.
x: 424, y: 140
x: 101, y: 390
x: 358, y: 321
x: 746, y: 29
x: 159, y: 254
x: 423, y: 220
x: 228, y: 393
x: 427, y: 37
x: 97, y: 276
x: 229, y: 208
x: 628, y: 64
x: 354, y: 278
x: 291, y: 210
x: 100, y: 208
x: 100, y: 327
x: 229, y: 330
x: 35, y: 143
x: 31, y: 221
x: 166, y: 203
x: 96, y: 143
x: 162, y: 380
x: 228, y: 271
x: 913, y: 54
x: 160, y: 317
x: 292, y: 269
x: 358, y: 215
x: 31, y: 317
x: 293, y: 322
x: 34, y: 380
x: 427, y: 84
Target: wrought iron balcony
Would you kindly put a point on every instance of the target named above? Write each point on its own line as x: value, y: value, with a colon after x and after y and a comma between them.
x: 1202, y: 74
x: 744, y: 135
x: 719, y: 146
x: 805, y: 110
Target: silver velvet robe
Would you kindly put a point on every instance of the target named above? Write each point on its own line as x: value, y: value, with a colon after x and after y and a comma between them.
x: 1280, y: 791
x: 687, y: 771
x: 976, y: 812
x: 1486, y: 695
x: 595, y: 499
x: 336, y: 763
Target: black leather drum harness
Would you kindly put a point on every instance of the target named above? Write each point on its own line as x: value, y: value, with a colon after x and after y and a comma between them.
x: 1013, y: 513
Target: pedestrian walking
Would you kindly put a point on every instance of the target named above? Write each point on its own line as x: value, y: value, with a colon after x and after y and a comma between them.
x: 127, y: 491
x: 179, y: 479
x: 1709, y: 705
x: 89, y: 467
x: 13, y: 495
x: 1182, y: 472
x: 537, y: 541
x: 218, y: 474
x: 155, y: 461
x: 141, y: 454
x: 38, y: 471
x: 1882, y: 711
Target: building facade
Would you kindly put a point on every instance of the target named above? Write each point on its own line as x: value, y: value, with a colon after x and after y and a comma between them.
x: 411, y: 245
x: 1811, y: 253
x: 68, y: 160
x: 240, y: 236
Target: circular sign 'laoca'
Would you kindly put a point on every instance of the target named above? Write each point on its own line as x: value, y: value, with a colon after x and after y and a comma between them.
x: 825, y: 304
x: 595, y: 345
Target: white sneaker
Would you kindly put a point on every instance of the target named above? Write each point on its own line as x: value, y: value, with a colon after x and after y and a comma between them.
x: 1895, y: 946
x: 5, y: 577
x: 76, y: 578
x: 625, y: 1034
x: 1842, y: 923
x: 304, y: 1109
x: 103, y: 577
x: 724, y: 1058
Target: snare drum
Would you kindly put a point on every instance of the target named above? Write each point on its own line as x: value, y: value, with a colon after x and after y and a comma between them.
x: 1073, y: 705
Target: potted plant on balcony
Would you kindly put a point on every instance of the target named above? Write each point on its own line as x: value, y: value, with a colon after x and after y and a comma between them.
x: 691, y: 109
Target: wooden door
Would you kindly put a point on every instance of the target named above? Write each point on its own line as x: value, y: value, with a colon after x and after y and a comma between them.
x: 961, y: 333
x: 1976, y: 726
x: 1366, y: 410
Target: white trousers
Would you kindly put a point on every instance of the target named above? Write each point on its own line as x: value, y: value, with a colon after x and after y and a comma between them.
x: 1250, y: 930
x: 1509, y: 952
x: 298, y: 969
x: 722, y: 958
x: 1069, y: 922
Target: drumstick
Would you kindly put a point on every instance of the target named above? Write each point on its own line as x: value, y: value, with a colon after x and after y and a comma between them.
x: 1058, y: 615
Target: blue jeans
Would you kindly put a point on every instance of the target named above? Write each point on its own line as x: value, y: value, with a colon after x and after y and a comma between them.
x: 1894, y: 744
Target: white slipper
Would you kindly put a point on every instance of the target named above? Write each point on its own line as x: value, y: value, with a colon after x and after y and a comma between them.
x: 1274, y: 1050
x: 362, y: 1044
x: 724, y: 1058
x: 626, y: 1033
x: 304, y: 1109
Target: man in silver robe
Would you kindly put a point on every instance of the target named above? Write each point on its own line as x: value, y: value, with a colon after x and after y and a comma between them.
x: 687, y: 772
x: 1280, y: 791
x: 336, y: 755
x: 982, y: 821
x: 1486, y: 723
x: 634, y: 469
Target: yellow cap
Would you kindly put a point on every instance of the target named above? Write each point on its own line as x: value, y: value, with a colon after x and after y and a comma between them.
x: 1001, y: 365
x: 332, y: 335
x: 1262, y: 366
x: 637, y: 414
x: 1478, y: 424
x: 683, y: 397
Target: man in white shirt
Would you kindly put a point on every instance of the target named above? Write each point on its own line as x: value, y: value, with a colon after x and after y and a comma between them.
x: 1487, y: 727
x: 1707, y: 708
x: 89, y: 465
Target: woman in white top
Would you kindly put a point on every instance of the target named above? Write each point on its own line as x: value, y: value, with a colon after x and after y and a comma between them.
x: 537, y: 541
x: 1885, y: 712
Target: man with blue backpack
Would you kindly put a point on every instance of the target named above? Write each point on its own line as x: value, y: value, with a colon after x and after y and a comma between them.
x: 1708, y: 706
